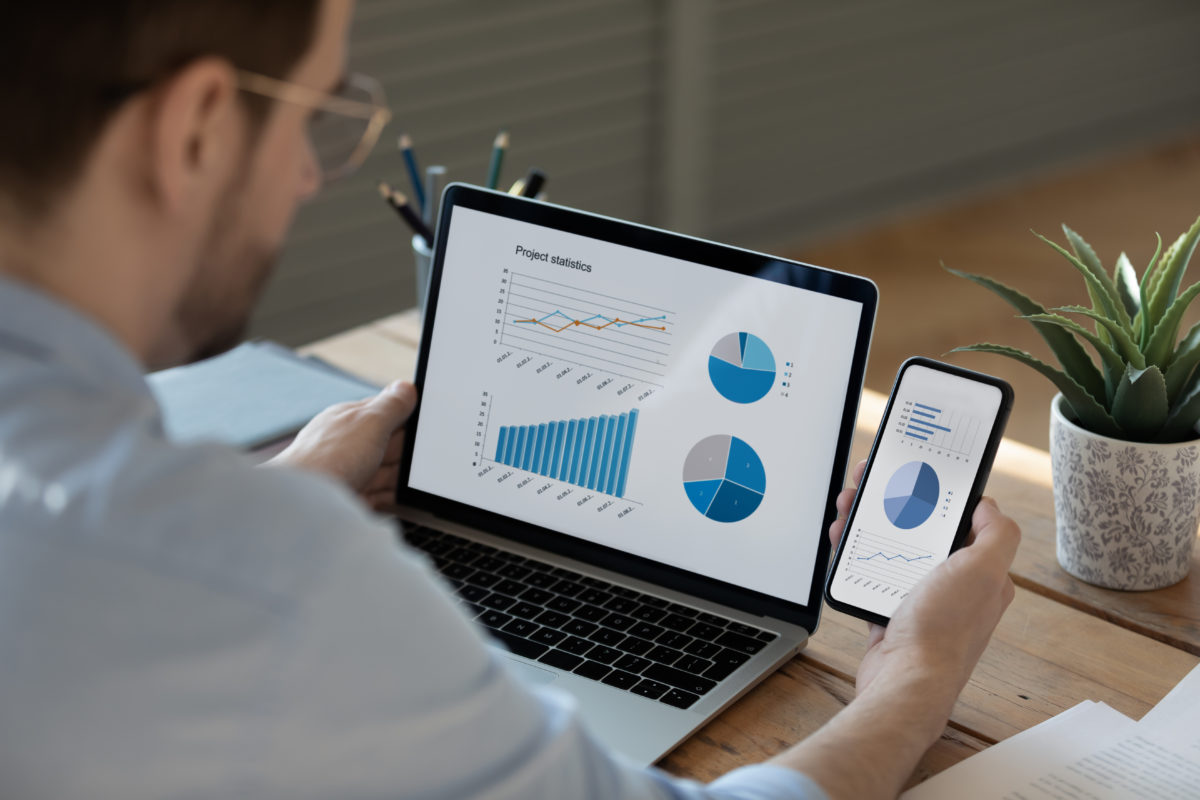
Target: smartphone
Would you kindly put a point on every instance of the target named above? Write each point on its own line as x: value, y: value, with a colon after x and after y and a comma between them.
x: 926, y: 472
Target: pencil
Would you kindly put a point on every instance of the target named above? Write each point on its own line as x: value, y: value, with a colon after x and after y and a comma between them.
x: 414, y: 174
x: 498, y: 148
x: 400, y: 203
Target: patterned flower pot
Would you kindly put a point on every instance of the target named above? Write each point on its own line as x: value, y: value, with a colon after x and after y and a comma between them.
x: 1127, y: 512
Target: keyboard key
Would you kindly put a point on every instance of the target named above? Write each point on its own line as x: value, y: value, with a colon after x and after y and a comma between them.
x: 542, y: 580
x: 457, y: 571
x: 439, y: 547
x: 679, y: 679
x: 646, y: 630
x: 594, y: 596
x: 620, y: 679
x: 618, y: 621
x: 484, y: 579
x: 685, y: 611
x: 649, y: 613
x: 525, y: 610
x: 702, y: 649
x: 463, y: 555
x: 563, y: 572
x: 557, y: 658
x: 676, y: 622
x: 591, y: 613
x: 632, y: 644
x: 744, y: 630
x: 623, y: 591
x: 593, y: 669
x: 595, y: 583
x: 579, y: 627
x: 676, y: 640
x: 548, y: 636
x: 534, y: 595
x: 743, y: 644
x: 693, y: 664
x: 573, y: 644
x: 509, y: 557
x: 724, y: 663
x: 564, y: 604
x: 634, y: 664
x: 603, y: 654
x: 520, y: 627
x: 537, y: 566
x: 621, y: 605
x: 702, y: 630
x: 664, y: 655
x: 472, y: 593
x: 651, y: 689
x: 569, y: 588
x: 552, y: 618
x: 519, y: 646
x: 500, y: 602
x: 515, y: 571
x: 487, y: 563
x: 486, y: 549
x: 679, y: 698
x: 494, y: 619
x: 607, y: 636
x: 766, y: 636
x: 509, y: 586
x: 657, y: 602
x: 712, y: 619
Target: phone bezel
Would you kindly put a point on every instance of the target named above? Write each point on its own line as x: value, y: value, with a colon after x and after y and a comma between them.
x: 981, y: 475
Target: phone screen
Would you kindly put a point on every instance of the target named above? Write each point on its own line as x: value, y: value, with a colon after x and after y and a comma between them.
x: 911, y: 504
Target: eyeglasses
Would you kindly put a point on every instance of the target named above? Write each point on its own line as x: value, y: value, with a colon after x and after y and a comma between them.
x: 346, y: 125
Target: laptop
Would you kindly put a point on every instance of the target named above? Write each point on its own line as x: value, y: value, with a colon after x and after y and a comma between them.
x: 626, y: 452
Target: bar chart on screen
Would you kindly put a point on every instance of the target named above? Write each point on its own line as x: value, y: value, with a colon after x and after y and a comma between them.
x: 936, y: 426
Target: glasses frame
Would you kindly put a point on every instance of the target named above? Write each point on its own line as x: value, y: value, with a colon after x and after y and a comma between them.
x: 376, y: 112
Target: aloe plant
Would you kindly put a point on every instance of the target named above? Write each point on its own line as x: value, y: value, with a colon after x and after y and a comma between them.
x: 1142, y: 383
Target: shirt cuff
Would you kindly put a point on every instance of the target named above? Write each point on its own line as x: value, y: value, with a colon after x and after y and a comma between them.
x: 767, y: 782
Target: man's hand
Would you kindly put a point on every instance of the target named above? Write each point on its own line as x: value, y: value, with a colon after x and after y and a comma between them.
x: 357, y: 443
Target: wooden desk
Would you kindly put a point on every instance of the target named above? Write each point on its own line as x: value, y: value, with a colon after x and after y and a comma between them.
x: 1062, y: 641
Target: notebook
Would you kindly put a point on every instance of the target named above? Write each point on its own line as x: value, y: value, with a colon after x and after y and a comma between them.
x: 626, y: 453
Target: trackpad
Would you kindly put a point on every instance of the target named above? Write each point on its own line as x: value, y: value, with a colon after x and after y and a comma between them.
x: 529, y: 673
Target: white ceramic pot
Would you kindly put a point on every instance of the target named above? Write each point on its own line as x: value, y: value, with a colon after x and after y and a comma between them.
x: 1127, y: 512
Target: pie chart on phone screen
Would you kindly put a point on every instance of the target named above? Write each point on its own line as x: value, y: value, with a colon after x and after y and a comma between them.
x: 911, y: 495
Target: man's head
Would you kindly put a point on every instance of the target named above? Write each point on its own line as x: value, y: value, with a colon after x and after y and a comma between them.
x: 139, y: 180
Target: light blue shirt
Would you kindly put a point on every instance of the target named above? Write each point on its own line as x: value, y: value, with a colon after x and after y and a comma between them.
x: 178, y: 623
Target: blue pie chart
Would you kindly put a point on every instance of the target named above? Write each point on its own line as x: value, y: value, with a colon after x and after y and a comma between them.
x: 911, y: 495
x: 741, y: 367
x: 724, y: 478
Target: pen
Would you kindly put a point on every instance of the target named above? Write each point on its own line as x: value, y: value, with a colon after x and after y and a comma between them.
x: 414, y: 175
x: 534, y: 182
x: 435, y: 182
x: 498, y: 148
x: 400, y: 203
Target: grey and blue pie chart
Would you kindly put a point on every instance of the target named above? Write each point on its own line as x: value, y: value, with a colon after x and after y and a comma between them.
x: 911, y: 495
x: 742, y: 367
x: 724, y: 478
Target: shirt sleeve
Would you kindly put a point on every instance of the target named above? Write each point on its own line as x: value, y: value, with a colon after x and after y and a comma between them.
x: 388, y: 690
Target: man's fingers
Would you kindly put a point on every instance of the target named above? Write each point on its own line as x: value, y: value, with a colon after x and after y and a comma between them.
x: 395, y: 448
x: 394, y: 404
x: 995, y: 532
x: 385, y: 479
x: 844, y: 500
x: 856, y: 474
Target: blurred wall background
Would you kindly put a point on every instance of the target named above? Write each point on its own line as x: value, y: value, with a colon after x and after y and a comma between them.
x: 765, y: 123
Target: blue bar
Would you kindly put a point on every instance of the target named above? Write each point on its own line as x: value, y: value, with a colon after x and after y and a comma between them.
x: 928, y: 408
x: 519, y: 452
x: 596, y: 479
x: 913, y: 435
x: 593, y: 467
x: 925, y: 414
x: 618, y: 450
x: 564, y: 469
x: 511, y: 455
x: 633, y: 415
x: 500, y: 444
x: 939, y: 427
x: 543, y: 447
x: 913, y: 427
x: 530, y: 436
x: 585, y: 456
x: 560, y: 436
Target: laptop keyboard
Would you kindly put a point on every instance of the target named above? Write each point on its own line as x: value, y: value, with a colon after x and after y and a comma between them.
x: 609, y: 633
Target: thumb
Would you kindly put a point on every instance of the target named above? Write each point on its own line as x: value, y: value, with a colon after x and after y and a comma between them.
x: 395, y: 403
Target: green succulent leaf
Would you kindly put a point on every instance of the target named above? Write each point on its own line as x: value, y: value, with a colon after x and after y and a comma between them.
x: 1181, y: 424
x: 1100, y: 289
x: 1087, y: 256
x: 1127, y: 287
x: 1089, y: 413
x: 1183, y: 363
x: 1122, y: 341
x: 1162, y: 341
x: 1066, y: 348
x: 1114, y: 365
x: 1170, y: 273
x: 1140, y: 405
x: 1141, y: 323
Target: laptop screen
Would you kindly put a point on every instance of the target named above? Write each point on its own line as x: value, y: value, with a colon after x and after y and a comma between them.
x: 593, y: 379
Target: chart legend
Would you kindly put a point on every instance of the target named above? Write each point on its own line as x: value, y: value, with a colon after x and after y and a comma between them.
x: 591, y: 452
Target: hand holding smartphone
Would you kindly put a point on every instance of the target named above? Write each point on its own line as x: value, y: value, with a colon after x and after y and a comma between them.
x: 926, y: 472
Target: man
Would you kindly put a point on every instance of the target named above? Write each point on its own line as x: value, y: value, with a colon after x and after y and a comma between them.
x: 179, y: 623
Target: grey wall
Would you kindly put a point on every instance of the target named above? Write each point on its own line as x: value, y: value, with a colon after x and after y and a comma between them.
x: 760, y: 122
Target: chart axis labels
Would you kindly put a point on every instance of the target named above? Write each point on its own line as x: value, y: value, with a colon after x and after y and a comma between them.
x: 724, y: 478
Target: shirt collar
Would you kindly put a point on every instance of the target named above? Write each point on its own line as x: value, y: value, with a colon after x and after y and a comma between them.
x: 38, y: 326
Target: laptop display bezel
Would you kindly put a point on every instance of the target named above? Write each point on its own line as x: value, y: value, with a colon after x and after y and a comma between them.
x: 679, y: 246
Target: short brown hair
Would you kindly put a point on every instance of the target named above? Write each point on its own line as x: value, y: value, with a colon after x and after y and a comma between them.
x: 67, y: 65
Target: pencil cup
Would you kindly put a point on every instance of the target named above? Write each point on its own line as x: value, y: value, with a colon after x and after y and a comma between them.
x: 422, y: 258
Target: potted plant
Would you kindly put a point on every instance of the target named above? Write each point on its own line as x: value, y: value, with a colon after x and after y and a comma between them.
x: 1123, y: 428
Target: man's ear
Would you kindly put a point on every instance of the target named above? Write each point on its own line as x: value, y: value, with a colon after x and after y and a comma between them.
x: 196, y: 132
